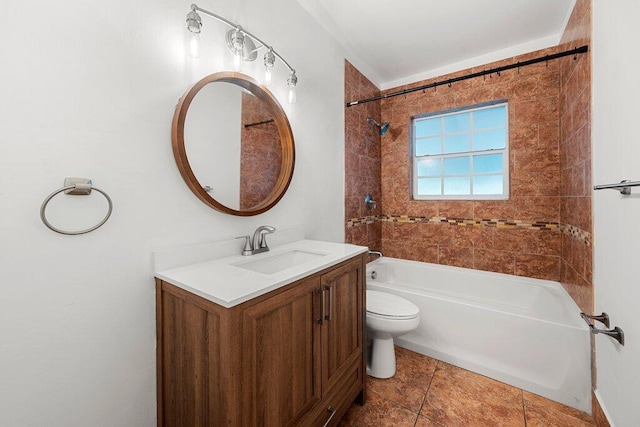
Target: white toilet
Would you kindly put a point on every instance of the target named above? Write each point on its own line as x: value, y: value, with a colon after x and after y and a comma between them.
x: 388, y: 316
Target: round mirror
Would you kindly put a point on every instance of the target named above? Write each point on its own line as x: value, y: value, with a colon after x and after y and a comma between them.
x: 233, y: 144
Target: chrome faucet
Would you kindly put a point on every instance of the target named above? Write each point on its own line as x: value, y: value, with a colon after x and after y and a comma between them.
x: 258, y: 243
x: 378, y: 253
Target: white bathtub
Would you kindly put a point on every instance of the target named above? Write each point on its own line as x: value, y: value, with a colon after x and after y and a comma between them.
x: 520, y: 331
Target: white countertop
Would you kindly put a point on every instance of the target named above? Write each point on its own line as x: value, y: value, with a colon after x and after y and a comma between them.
x: 226, y: 284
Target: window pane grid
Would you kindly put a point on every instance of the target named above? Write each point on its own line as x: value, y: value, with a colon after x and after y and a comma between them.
x: 477, y: 135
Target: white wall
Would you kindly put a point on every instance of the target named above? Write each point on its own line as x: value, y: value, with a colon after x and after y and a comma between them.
x: 212, y: 139
x: 616, y: 156
x: 89, y: 89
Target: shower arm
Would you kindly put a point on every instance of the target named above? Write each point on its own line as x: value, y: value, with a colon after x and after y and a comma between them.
x: 384, y: 127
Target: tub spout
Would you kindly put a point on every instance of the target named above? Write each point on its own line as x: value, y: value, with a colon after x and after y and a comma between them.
x: 378, y: 253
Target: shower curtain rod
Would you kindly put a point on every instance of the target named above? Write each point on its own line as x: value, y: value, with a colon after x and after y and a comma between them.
x: 498, y: 70
x: 247, y: 126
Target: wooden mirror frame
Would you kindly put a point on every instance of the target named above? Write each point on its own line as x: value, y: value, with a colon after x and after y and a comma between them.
x: 281, y: 122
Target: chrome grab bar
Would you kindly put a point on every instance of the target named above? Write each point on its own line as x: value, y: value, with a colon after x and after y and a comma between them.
x: 616, y: 333
x: 602, y: 318
x: 624, y: 187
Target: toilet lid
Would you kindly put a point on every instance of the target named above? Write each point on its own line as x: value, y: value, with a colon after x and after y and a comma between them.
x: 389, y: 305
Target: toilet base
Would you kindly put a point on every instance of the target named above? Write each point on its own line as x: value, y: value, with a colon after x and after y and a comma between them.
x: 381, y: 362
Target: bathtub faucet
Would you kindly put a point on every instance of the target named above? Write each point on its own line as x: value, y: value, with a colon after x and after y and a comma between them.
x: 376, y: 253
x: 258, y: 243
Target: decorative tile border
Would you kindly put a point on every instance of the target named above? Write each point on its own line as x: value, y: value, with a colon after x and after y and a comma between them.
x: 463, y: 222
x: 355, y: 222
x: 570, y: 230
x: 577, y: 233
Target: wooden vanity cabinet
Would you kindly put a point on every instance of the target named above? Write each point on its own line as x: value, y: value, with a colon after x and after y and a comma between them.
x: 292, y: 357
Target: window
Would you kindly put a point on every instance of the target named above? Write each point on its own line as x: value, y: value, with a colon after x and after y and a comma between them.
x: 461, y: 154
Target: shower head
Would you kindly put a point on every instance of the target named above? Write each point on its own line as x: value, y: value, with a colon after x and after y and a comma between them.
x: 384, y: 127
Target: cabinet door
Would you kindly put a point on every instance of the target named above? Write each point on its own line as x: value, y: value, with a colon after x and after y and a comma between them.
x: 281, y: 357
x: 342, y: 333
x: 194, y: 370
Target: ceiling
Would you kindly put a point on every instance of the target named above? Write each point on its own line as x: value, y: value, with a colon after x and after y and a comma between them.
x: 395, y: 42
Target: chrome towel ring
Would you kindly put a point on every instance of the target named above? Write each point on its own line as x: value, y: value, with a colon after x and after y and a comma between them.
x: 80, y: 187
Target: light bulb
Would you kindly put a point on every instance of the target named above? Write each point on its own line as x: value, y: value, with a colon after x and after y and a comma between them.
x: 292, y: 94
x: 194, y: 26
x: 269, y: 61
x: 267, y: 77
x: 237, y: 61
x: 292, y: 81
x: 194, y: 45
x: 237, y: 47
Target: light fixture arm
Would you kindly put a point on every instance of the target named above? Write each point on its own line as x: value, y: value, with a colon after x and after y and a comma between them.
x: 195, y: 8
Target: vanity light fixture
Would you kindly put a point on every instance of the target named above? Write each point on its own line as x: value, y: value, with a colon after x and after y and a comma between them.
x: 292, y: 81
x: 194, y: 25
x: 269, y: 62
x: 236, y: 44
x: 243, y: 45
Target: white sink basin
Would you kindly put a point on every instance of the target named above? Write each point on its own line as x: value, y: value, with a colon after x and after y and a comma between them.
x: 271, y: 264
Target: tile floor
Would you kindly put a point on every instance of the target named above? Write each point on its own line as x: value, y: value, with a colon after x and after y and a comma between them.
x: 426, y: 392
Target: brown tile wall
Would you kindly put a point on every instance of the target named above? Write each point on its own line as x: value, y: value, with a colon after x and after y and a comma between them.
x: 575, y: 169
x: 550, y: 170
x: 362, y: 160
x: 260, y: 154
x: 575, y: 157
x: 532, y: 93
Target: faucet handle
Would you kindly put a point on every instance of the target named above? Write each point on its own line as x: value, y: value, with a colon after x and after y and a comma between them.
x: 247, y: 245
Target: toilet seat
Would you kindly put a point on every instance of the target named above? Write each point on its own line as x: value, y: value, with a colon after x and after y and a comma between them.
x: 388, y: 306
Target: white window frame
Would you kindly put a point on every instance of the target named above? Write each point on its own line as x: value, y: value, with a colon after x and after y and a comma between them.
x: 504, y: 151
